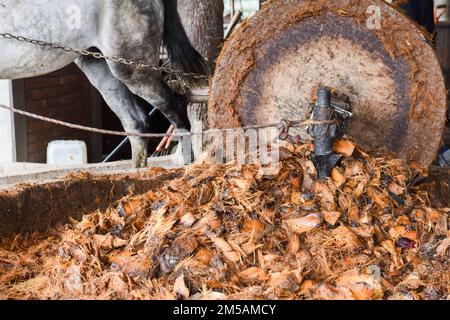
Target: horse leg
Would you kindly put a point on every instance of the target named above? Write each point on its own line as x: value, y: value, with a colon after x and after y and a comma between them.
x: 132, y: 111
x: 144, y: 23
x: 149, y: 85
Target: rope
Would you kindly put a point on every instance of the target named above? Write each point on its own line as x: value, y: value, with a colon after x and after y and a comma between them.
x: 283, y: 125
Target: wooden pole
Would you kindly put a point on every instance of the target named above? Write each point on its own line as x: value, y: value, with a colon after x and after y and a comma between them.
x: 234, y: 21
x: 232, y: 8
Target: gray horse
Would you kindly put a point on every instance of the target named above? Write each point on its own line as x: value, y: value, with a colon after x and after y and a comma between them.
x: 131, y: 29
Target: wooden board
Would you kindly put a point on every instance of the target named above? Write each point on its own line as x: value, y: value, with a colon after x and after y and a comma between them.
x: 269, y: 67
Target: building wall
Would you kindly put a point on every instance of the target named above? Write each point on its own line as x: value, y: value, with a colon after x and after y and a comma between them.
x: 7, y: 134
x: 64, y: 95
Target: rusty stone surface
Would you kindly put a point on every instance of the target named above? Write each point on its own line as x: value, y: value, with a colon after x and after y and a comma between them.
x: 391, y: 75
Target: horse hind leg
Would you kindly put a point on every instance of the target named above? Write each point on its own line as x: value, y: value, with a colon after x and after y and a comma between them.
x: 132, y: 111
x: 149, y: 85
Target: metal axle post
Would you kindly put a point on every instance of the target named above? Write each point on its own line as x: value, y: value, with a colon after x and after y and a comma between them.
x: 324, y: 135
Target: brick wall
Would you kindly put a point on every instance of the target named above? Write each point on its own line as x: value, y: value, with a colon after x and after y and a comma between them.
x: 64, y: 95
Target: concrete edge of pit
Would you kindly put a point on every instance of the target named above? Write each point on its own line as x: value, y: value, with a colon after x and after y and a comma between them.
x: 15, y: 174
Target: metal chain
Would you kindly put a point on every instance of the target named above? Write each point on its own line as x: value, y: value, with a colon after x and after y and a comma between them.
x: 284, y: 125
x: 100, y: 56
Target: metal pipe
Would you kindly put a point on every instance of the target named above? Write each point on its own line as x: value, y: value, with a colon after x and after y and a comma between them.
x: 323, y: 112
x: 116, y: 150
x: 124, y: 141
x: 324, y: 135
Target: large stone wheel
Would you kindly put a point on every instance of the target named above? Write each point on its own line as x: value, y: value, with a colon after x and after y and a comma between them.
x: 269, y: 67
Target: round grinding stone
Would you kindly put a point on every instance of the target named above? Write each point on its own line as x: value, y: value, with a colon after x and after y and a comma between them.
x: 366, y: 50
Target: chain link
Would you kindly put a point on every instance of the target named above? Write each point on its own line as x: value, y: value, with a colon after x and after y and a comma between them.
x: 100, y: 56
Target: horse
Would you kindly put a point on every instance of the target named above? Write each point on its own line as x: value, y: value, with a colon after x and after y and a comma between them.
x: 130, y: 29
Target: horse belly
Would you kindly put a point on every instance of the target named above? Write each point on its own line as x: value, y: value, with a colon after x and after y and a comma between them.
x: 28, y: 61
x: 49, y: 21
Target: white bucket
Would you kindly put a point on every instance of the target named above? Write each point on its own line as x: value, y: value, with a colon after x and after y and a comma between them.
x: 67, y: 153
